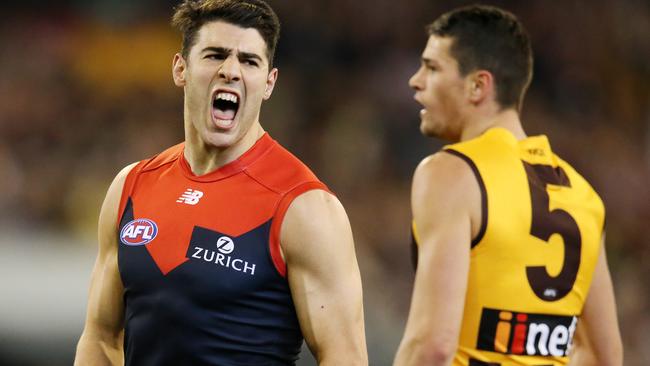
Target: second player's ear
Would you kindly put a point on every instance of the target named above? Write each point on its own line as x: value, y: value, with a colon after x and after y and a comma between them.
x: 179, y: 66
x: 270, y: 83
x: 481, y: 86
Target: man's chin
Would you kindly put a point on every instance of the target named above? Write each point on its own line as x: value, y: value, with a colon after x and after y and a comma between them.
x: 427, y: 130
x: 220, y: 139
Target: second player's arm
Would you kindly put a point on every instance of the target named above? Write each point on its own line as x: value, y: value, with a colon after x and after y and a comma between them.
x: 101, y: 341
x: 324, y: 278
x: 598, y: 339
x: 446, y: 207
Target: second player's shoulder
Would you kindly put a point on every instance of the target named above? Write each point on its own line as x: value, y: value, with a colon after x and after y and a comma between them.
x: 443, y: 169
x: 583, y: 190
x: 444, y: 183
x: 572, y: 173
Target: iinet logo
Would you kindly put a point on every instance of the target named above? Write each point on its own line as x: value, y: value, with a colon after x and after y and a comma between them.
x: 526, y: 334
x: 190, y: 197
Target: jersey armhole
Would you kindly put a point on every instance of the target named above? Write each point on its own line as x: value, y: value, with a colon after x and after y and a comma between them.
x: 481, y: 184
x: 278, y: 218
x: 127, y: 189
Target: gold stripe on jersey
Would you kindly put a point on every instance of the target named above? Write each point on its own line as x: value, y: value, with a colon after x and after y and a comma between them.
x: 531, y: 271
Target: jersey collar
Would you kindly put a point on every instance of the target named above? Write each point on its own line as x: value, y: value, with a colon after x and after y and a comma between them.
x: 259, y: 149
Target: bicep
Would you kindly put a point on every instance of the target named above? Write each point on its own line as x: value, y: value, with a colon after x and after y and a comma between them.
x: 441, y: 276
x: 324, y: 276
x: 444, y: 233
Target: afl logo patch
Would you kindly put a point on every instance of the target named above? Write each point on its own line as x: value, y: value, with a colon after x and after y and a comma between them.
x: 138, y: 232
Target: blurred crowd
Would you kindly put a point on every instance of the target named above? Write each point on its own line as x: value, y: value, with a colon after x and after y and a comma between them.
x: 86, y: 89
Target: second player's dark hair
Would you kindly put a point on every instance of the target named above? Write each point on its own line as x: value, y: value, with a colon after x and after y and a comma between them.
x: 190, y: 15
x: 492, y: 39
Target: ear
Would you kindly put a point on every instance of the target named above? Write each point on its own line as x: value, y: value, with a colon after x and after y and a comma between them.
x: 270, y: 83
x: 179, y: 67
x: 480, y: 86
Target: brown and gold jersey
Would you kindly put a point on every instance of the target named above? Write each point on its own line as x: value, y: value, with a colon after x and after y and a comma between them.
x: 532, y: 263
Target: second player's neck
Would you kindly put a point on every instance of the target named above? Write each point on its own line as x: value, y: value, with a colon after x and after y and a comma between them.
x: 508, y: 119
x: 204, y: 158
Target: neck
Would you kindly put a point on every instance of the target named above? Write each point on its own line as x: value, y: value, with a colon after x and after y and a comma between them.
x: 507, y: 118
x: 204, y: 157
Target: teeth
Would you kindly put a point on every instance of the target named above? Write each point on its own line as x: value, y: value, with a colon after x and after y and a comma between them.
x: 227, y: 96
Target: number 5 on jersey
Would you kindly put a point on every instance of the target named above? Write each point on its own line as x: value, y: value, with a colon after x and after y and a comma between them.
x: 546, y: 222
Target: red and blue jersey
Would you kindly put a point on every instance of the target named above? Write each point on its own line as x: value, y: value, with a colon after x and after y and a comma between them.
x: 199, y: 257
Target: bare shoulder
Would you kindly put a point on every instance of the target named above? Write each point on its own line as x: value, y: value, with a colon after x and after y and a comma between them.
x: 314, y: 203
x: 313, y: 217
x: 443, y: 176
x: 110, y: 207
x: 116, y: 186
x: 445, y: 188
x: 120, y: 178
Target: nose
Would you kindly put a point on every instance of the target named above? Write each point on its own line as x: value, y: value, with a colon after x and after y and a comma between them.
x: 415, y: 81
x: 230, y: 69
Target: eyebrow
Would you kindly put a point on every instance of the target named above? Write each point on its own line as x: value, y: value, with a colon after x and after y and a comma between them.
x: 429, y: 62
x: 228, y: 51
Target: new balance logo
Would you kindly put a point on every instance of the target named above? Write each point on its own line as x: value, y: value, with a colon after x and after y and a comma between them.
x: 190, y: 197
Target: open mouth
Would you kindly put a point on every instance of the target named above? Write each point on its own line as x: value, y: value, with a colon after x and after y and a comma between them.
x: 224, y: 108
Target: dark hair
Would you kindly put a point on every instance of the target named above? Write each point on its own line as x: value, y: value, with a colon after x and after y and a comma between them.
x: 191, y: 15
x: 492, y: 39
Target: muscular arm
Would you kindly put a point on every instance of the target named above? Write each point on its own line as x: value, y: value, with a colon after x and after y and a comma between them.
x: 101, y: 340
x: 324, y: 278
x: 598, y: 339
x: 446, y: 207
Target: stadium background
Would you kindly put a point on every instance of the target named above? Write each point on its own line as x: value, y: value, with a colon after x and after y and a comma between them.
x: 85, y: 88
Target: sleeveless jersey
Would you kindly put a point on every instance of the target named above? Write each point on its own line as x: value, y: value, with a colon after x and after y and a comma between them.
x: 532, y: 263
x: 199, y: 257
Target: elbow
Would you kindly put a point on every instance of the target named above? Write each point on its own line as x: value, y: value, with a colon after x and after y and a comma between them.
x: 342, y: 360
x: 428, y: 352
x: 439, y: 352
x: 614, y: 356
x: 611, y: 355
x: 609, y: 361
x: 353, y: 356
